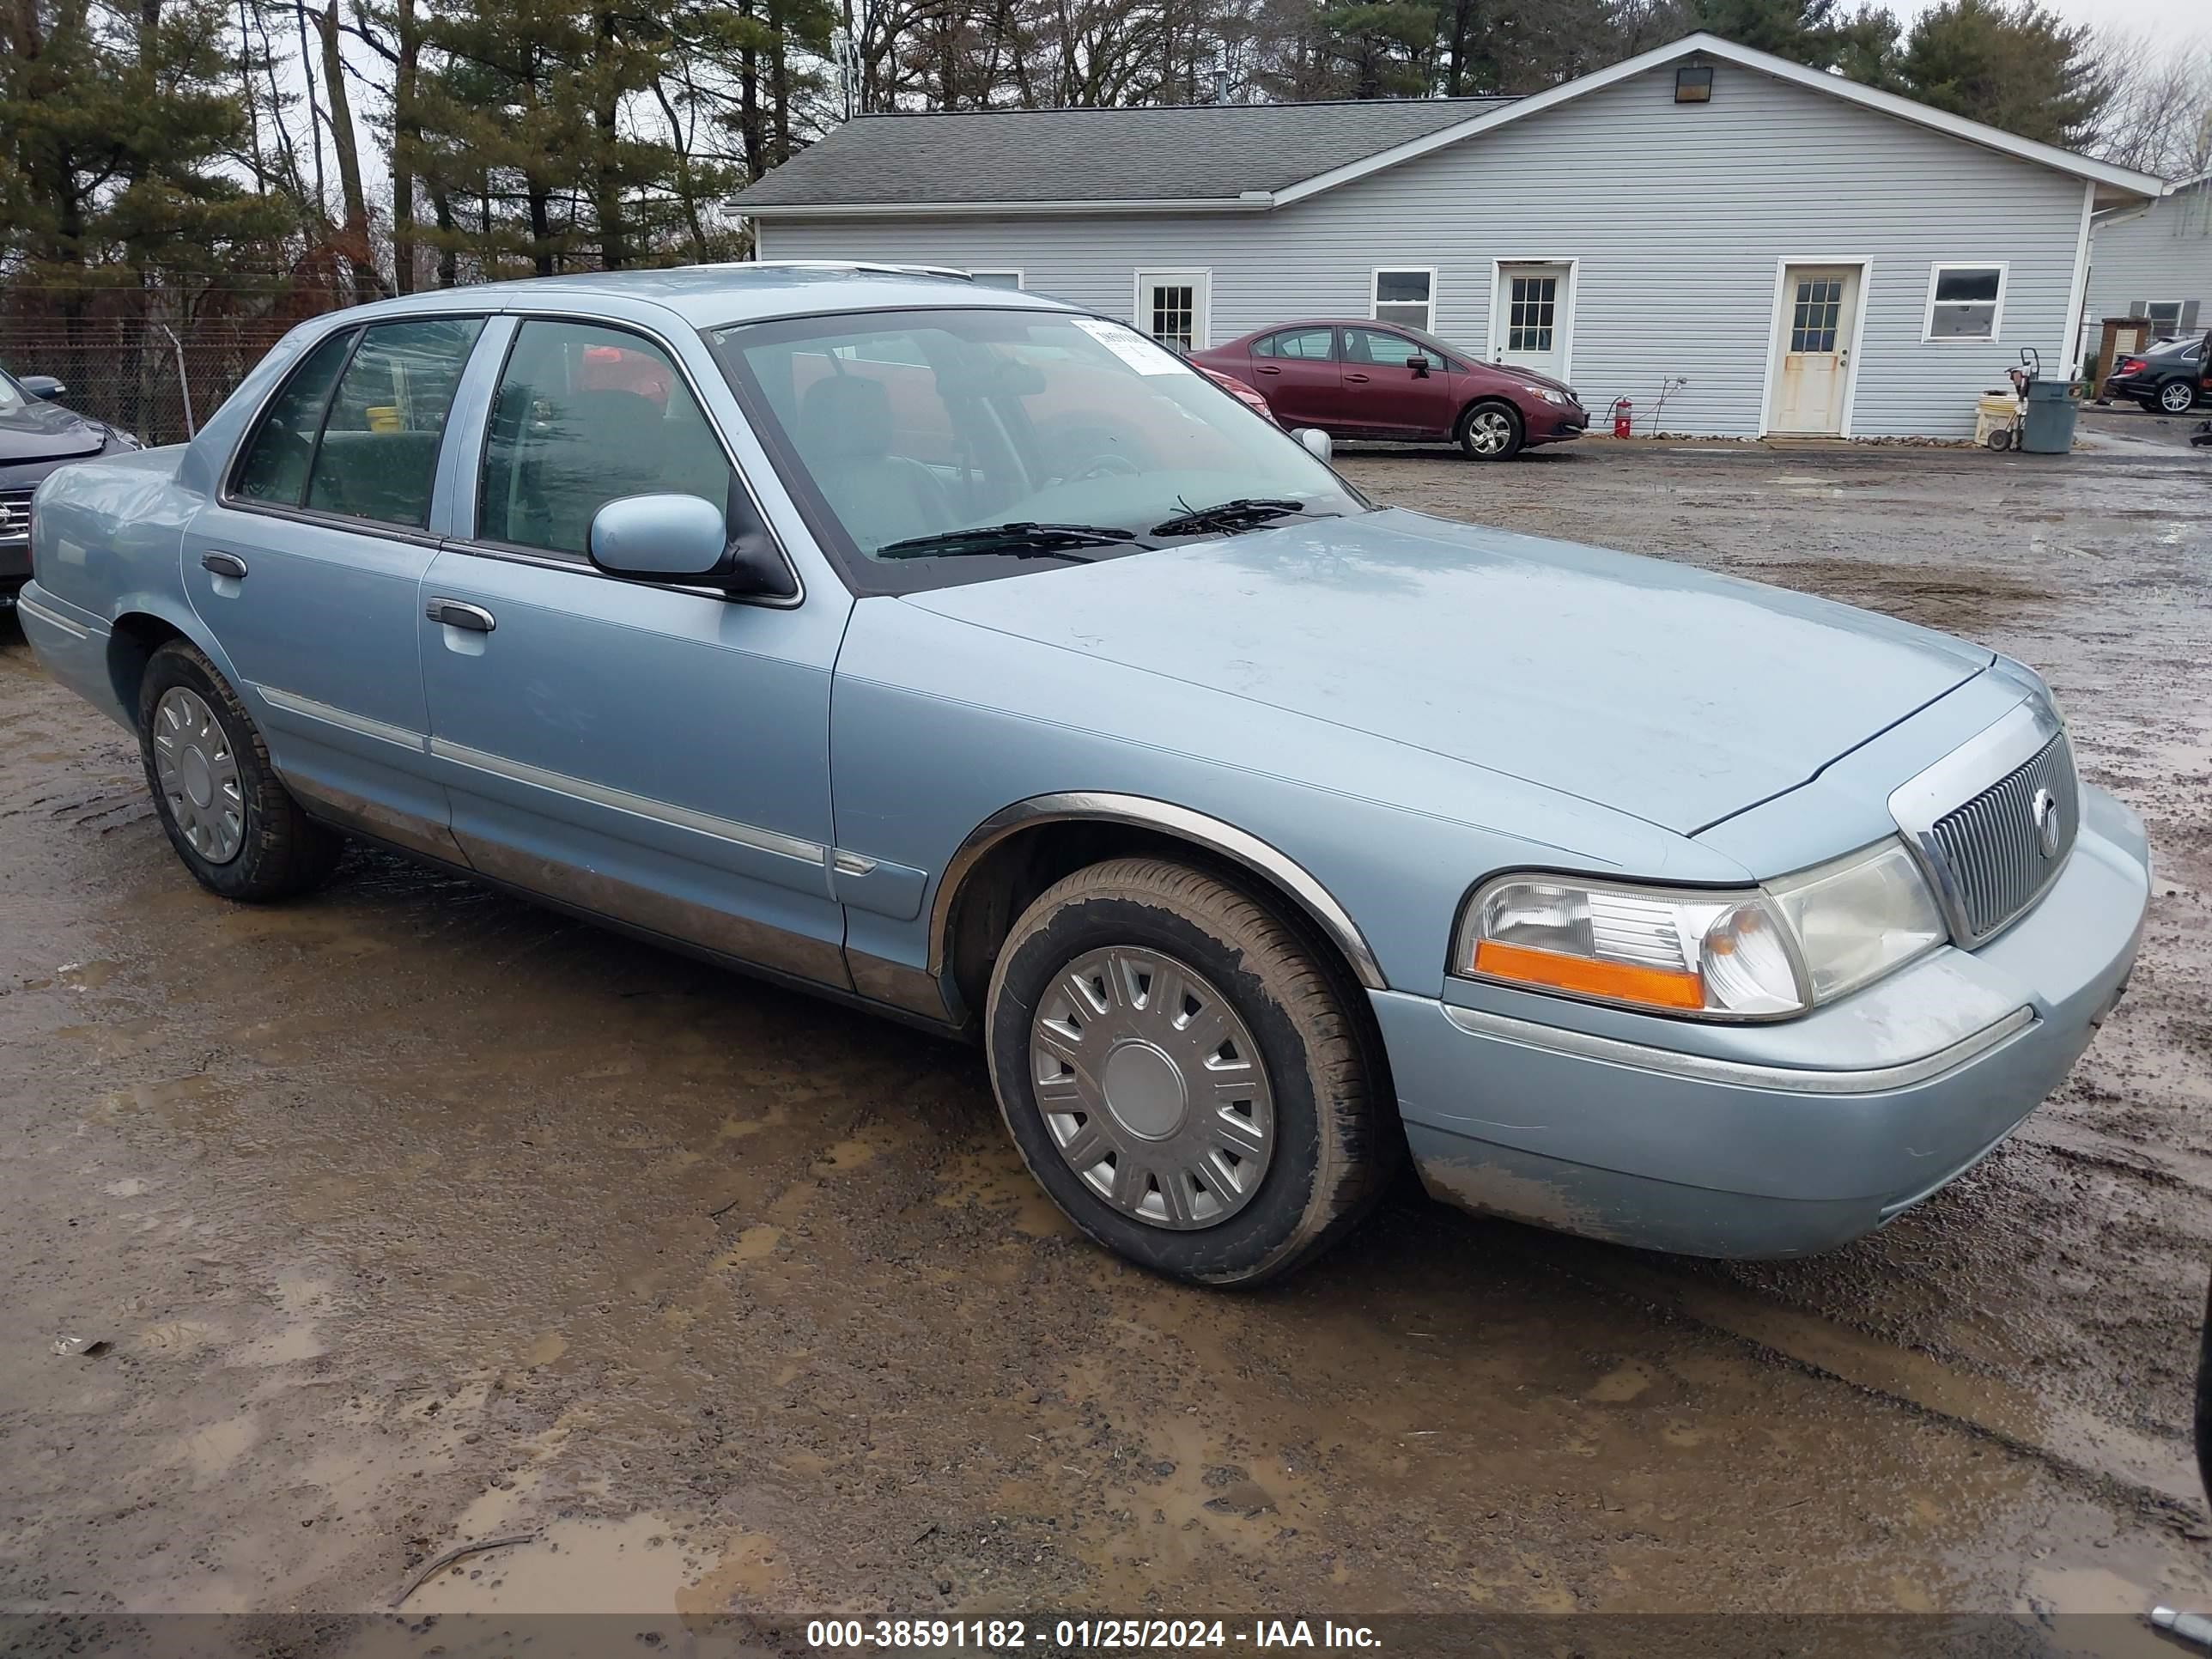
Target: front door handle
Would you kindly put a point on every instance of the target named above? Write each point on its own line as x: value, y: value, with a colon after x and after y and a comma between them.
x: 224, y: 564
x: 1359, y: 380
x: 454, y: 614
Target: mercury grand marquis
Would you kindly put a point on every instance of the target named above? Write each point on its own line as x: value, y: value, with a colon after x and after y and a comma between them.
x: 970, y: 658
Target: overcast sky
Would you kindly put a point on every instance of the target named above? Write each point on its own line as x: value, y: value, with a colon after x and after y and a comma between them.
x: 2159, y: 17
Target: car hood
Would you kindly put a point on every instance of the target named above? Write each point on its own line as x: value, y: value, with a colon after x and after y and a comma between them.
x: 43, y: 432
x: 1652, y: 688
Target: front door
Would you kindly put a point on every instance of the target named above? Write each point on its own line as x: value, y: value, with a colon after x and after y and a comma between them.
x: 1172, y: 306
x: 1813, y: 350
x: 654, y: 753
x: 307, y: 568
x: 1384, y: 392
x: 1532, y: 315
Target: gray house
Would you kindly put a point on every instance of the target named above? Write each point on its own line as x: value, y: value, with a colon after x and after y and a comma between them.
x: 2155, y: 261
x: 1759, y: 247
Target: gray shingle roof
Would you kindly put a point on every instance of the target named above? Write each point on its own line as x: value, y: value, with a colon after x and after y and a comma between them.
x: 1179, y: 152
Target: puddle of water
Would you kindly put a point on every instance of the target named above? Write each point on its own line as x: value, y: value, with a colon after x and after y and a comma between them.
x: 639, y: 1565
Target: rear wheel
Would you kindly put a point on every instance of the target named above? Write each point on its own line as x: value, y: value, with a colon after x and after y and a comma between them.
x: 2177, y: 397
x: 235, y: 826
x: 1184, y: 1075
x: 1490, y: 432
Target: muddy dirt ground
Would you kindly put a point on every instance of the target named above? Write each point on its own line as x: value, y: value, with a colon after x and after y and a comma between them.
x: 415, y: 1216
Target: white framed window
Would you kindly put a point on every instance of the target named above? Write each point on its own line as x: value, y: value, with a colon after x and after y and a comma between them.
x: 2169, y: 319
x: 1404, y: 294
x: 1012, y: 279
x: 1965, y: 302
x: 1173, y: 307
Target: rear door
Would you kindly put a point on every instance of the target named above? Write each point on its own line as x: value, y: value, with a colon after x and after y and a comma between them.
x: 655, y: 754
x: 1297, y: 373
x: 1381, y: 391
x: 306, y: 568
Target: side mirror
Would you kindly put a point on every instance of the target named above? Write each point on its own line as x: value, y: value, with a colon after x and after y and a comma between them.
x: 44, y: 387
x: 681, y: 539
x: 1420, y: 365
x: 1317, y: 442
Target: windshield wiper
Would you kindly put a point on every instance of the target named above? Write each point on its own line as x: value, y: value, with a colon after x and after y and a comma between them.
x: 1020, y: 540
x: 1242, y: 514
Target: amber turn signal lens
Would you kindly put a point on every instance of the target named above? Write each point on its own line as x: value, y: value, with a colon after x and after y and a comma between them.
x: 1617, y: 981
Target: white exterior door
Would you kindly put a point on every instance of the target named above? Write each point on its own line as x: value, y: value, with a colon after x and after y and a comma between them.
x: 1531, y: 317
x: 1812, y: 348
x: 1173, y: 307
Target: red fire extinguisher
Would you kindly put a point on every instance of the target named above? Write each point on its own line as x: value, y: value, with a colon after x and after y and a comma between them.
x: 1622, y: 412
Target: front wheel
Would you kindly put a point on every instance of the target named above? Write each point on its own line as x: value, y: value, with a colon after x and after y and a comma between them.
x: 233, y: 822
x: 2177, y: 397
x: 1490, y: 432
x: 1183, y: 1076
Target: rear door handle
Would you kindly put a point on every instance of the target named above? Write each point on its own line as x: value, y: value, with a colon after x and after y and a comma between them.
x: 454, y: 614
x: 224, y: 564
x: 1264, y: 369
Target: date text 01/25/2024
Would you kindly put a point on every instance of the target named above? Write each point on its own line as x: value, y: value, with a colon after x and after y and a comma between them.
x: 1070, y: 1636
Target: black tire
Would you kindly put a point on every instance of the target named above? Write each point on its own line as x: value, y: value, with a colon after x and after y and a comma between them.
x: 282, y: 851
x: 2177, y: 397
x: 1337, y: 1140
x: 1480, y: 423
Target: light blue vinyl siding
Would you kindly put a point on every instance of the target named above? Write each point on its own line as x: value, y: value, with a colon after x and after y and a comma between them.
x: 2163, y: 253
x: 1677, y: 214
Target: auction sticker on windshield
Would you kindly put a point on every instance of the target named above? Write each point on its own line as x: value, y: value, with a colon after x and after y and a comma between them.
x: 1142, y: 354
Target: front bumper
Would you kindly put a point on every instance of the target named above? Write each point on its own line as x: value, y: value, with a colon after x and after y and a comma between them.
x: 1850, y: 1116
x: 1556, y: 425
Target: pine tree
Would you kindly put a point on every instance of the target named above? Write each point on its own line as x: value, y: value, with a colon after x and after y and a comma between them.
x: 2021, y: 69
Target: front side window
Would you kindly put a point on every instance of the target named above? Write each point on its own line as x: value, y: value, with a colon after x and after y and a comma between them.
x: 938, y: 446
x: 584, y: 416
x: 1309, y: 343
x: 1965, y: 301
x: 1386, y: 350
x: 1404, y: 296
x: 378, y: 454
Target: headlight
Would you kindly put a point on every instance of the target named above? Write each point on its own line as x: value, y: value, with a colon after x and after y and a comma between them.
x: 1763, y: 953
x: 1545, y: 393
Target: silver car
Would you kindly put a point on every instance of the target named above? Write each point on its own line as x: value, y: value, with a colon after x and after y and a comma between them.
x: 968, y: 658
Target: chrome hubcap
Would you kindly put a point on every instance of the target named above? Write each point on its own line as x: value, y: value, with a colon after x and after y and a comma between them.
x: 1152, y: 1088
x: 2177, y: 397
x: 1488, y: 432
x: 198, y: 775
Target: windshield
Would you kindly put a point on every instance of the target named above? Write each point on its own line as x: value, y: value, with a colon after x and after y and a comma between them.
x: 1047, y: 437
x: 12, y: 396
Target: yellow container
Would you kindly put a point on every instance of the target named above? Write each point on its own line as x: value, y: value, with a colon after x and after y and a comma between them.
x: 1996, y: 415
x: 382, y: 417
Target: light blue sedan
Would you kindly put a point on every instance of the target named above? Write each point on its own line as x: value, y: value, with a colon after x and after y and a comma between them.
x: 971, y: 659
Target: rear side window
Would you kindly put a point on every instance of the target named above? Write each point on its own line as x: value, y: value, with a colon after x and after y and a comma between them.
x: 378, y: 453
x: 355, y: 431
x: 586, y: 416
x: 275, y: 466
x: 1314, y: 343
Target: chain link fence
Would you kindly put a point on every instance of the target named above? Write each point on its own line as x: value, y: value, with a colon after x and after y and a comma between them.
x: 154, y: 362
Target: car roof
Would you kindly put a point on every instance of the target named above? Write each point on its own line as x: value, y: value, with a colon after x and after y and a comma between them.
x: 713, y: 296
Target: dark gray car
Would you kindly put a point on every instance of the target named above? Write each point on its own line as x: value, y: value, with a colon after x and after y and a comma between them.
x: 37, y: 434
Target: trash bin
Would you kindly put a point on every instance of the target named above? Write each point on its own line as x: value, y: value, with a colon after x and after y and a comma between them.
x: 2047, y: 424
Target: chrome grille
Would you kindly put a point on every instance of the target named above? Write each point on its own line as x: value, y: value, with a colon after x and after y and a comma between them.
x: 15, y: 515
x: 1993, y: 847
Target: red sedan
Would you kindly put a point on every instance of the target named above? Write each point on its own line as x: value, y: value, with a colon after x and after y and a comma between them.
x: 1367, y: 379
